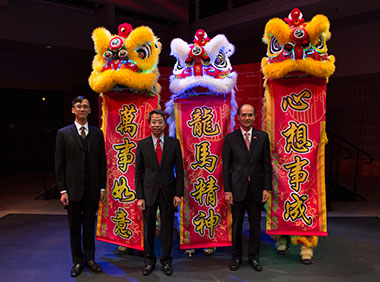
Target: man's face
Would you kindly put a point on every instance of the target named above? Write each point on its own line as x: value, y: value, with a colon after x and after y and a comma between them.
x: 157, y: 124
x: 81, y: 110
x: 246, y: 117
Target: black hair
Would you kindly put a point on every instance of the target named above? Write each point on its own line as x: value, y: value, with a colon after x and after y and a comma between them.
x: 157, y: 112
x: 79, y: 99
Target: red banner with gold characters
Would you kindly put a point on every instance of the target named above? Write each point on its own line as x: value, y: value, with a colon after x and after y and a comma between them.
x: 201, y: 124
x: 125, y: 122
x: 295, y: 116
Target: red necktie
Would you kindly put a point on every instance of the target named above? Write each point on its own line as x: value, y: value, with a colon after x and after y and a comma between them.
x: 159, y: 151
x: 246, y: 134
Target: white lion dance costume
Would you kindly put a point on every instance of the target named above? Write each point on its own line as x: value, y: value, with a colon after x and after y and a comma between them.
x: 125, y: 75
x: 296, y: 71
x: 202, y: 111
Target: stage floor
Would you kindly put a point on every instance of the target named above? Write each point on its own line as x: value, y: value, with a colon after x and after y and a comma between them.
x: 36, y: 248
x: 34, y: 244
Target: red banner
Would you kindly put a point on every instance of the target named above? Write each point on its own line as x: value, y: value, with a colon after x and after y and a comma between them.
x: 295, y: 115
x: 125, y: 122
x: 201, y: 124
x: 250, y: 90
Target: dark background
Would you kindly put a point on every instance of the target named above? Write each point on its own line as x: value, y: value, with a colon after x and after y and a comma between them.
x: 46, y: 51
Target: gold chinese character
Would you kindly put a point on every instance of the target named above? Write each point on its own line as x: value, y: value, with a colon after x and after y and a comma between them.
x: 295, y: 101
x: 126, y: 125
x: 121, y: 219
x: 208, y: 189
x: 203, y: 157
x: 297, y: 174
x: 296, y: 138
x: 202, y: 222
x: 124, y: 156
x: 297, y: 209
x: 121, y: 191
x: 202, y: 122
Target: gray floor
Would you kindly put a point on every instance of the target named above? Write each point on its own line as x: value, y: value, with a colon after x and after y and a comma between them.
x: 36, y: 248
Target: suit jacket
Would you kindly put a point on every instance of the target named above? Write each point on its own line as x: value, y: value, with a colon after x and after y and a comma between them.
x: 238, y: 164
x: 149, y: 175
x: 70, y: 162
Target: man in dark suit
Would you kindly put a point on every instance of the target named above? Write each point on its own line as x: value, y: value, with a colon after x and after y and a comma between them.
x: 247, y: 178
x: 157, y: 157
x: 80, y: 167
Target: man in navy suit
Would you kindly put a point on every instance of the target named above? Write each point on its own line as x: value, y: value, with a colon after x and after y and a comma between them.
x: 247, y: 178
x: 80, y: 167
x: 157, y: 158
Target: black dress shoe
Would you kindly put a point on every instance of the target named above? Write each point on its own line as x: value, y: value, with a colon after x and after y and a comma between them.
x: 148, y: 269
x: 94, y: 266
x: 235, y: 264
x: 306, y: 261
x: 76, y: 270
x: 255, y: 264
x: 168, y: 270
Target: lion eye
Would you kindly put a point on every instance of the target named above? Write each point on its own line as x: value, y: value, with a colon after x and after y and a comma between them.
x: 178, y: 66
x: 320, y: 45
x: 206, y: 60
x: 275, y: 46
x: 144, y: 51
x: 220, y: 60
x: 189, y: 62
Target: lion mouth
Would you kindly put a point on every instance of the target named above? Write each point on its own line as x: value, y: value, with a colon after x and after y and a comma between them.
x: 120, y: 64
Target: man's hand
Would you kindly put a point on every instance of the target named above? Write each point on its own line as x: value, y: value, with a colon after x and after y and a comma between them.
x: 265, y: 196
x: 102, y: 195
x: 141, y: 204
x: 176, y: 201
x: 65, y: 199
x: 229, y: 198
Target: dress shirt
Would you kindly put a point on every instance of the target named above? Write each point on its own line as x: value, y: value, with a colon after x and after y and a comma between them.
x: 79, y: 126
x: 249, y: 134
x: 161, y: 141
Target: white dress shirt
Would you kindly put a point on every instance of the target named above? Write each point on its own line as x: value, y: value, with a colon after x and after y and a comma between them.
x: 79, y: 126
x: 161, y: 141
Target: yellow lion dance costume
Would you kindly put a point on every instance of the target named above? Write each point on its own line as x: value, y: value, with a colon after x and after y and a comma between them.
x: 125, y: 63
x: 127, y: 60
x: 297, y: 48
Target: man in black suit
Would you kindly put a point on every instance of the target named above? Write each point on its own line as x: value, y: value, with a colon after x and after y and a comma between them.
x: 80, y: 167
x: 157, y: 157
x: 247, y: 178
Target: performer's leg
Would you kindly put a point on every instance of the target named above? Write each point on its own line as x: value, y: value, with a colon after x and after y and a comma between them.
x: 149, y: 221
x: 167, y: 220
x: 74, y: 212
x: 89, y: 220
x: 237, y: 228
x: 254, y: 217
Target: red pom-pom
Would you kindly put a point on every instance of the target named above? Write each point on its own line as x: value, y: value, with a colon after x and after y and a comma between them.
x: 125, y: 29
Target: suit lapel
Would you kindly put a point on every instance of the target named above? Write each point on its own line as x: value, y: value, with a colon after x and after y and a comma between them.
x: 76, y: 136
x: 166, y: 148
x: 89, y: 136
x: 152, y: 150
x: 253, y: 141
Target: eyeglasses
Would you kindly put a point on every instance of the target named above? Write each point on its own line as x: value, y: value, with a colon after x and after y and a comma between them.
x: 84, y: 107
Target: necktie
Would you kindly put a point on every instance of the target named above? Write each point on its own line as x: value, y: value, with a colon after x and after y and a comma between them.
x: 83, y: 132
x: 246, y: 134
x: 159, y: 151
